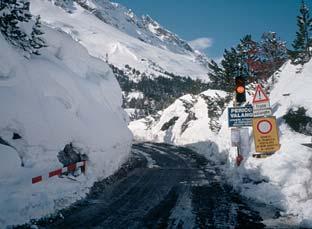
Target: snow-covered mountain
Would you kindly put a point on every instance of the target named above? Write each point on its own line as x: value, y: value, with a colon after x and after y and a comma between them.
x: 47, y: 102
x: 111, y: 31
x: 143, y: 28
x: 190, y: 120
x: 139, y: 50
x: 284, y: 179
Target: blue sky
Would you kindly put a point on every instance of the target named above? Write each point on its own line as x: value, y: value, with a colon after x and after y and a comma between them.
x: 221, y: 22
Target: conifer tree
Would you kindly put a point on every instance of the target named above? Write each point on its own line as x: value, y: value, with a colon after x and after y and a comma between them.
x: 231, y: 64
x: 37, y: 42
x: 23, y: 11
x: 249, y: 59
x: 9, y: 20
x: 272, y: 53
x: 15, y: 19
x: 12, y: 13
x: 302, y: 43
x: 215, y: 75
x: 247, y: 54
x: 222, y: 77
x: 236, y: 62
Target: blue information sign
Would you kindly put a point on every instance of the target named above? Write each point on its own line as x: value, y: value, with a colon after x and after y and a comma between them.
x: 240, y: 116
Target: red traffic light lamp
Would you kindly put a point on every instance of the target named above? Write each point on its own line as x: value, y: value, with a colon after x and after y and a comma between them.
x: 240, y: 89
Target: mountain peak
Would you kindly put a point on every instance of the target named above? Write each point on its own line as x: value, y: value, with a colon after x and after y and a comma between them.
x: 144, y: 28
x: 149, y: 19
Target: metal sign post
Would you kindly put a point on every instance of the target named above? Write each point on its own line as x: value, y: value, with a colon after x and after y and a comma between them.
x: 239, y: 157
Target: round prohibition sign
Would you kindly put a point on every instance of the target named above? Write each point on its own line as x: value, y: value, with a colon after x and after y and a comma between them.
x: 264, y: 126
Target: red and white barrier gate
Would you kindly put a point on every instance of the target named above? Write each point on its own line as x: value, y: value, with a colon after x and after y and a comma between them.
x: 58, y: 172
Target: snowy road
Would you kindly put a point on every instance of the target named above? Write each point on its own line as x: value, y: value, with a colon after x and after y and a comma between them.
x: 176, y: 188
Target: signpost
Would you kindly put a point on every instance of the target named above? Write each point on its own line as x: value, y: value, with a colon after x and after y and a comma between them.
x: 265, y: 134
x: 259, y: 116
x: 264, y: 124
x: 240, y: 116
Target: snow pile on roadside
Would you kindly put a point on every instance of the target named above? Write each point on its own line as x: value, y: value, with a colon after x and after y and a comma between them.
x: 62, y: 96
x: 190, y: 120
x: 284, y: 179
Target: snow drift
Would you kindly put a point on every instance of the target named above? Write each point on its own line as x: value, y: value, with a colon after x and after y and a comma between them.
x: 63, y: 96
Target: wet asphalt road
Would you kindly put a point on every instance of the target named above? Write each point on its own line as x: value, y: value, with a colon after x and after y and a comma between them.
x: 171, y: 187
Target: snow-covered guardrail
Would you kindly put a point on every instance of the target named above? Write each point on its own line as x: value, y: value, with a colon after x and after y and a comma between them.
x: 58, y: 172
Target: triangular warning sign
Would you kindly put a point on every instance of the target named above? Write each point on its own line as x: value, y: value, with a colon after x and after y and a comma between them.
x: 260, y: 96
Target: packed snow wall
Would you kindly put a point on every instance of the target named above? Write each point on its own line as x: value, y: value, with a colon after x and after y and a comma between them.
x: 60, y: 97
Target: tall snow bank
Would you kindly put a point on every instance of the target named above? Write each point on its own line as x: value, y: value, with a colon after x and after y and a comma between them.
x: 62, y: 96
x: 284, y: 179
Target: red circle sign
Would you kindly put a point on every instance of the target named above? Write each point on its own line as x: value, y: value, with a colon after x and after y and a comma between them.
x: 264, y: 126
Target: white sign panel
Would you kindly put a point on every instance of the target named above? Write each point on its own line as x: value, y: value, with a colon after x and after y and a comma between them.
x: 261, y: 106
x: 262, y: 113
x: 262, y: 109
x: 235, y: 137
x: 244, y: 141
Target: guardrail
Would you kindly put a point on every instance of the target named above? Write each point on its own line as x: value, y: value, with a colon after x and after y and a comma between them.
x: 58, y: 172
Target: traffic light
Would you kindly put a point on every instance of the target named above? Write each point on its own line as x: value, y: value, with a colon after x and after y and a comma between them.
x: 240, y: 89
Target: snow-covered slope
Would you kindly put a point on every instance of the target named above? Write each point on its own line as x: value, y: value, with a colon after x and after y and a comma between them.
x: 145, y: 28
x: 190, y: 120
x: 111, y: 31
x: 284, y: 179
x: 62, y: 96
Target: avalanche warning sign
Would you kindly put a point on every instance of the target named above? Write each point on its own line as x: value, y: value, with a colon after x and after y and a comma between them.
x: 260, y: 96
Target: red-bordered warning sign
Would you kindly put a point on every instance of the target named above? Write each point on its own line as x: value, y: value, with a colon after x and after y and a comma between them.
x: 260, y: 96
x: 264, y: 126
x: 265, y: 134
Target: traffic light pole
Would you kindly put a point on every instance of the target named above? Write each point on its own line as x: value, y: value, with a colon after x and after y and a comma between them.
x: 240, y: 98
x: 239, y: 157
